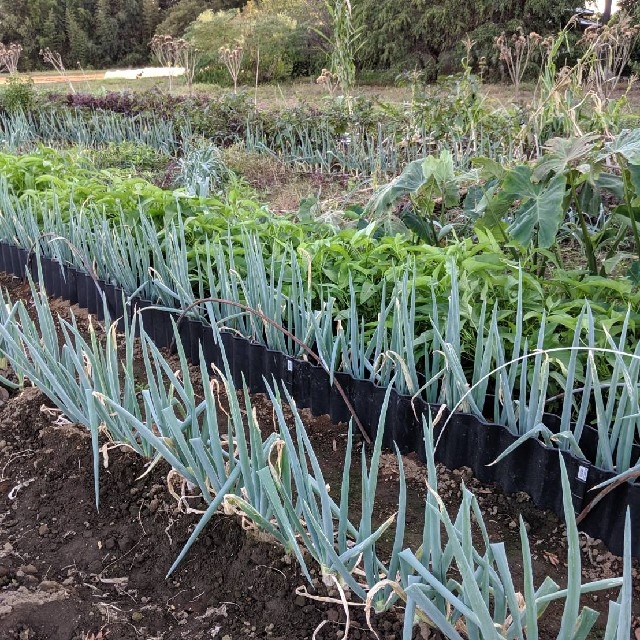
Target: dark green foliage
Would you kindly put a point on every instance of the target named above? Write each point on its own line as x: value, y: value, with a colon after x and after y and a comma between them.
x: 184, y: 12
x: 18, y: 94
x: 96, y: 33
x: 400, y: 36
x: 416, y: 33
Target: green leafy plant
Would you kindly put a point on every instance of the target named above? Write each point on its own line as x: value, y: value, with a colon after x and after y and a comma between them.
x: 18, y: 95
x: 424, y: 180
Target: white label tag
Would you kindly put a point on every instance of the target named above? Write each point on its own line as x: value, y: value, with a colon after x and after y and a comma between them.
x: 582, y: 473
x: 289, y: 365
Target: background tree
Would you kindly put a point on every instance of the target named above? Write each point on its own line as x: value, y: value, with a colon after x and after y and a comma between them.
x: 417, y: 33
x: 180, y: 15
x: 396, y: 35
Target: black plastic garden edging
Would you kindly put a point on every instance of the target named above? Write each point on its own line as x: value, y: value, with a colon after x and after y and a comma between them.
x: 465, y: 441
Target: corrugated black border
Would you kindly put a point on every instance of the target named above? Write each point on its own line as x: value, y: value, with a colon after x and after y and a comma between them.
x: 465, y: 441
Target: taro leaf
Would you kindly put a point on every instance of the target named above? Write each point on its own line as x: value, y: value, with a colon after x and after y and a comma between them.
x: 354, y: 212
x: 440, y: 169
x: 409, y: 181
x: 634, y: 177
x: 489, y: 168
x: 563, y: 153
x: 487, y: 205
x: 634, y: 273
x: 627, y: 215
x: 611, y: 183
x: 627, y: 144
x: 590, y: 199
x: 418, y: 225
x: 541, y: 207
x: 475, y: 200
x: 416, y: 174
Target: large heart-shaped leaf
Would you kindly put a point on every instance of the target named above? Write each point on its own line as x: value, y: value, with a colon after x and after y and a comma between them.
x: 627, y: 144
x: 438, y: 171
x: 563, y: 153
x: 419, y: 226
x: 541, y: 211
x: 409, y: 181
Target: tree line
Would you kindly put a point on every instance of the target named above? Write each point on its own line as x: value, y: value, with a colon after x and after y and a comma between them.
x: 393, y: 35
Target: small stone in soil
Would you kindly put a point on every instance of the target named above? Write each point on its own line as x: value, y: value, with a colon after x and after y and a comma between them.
x: 49, y: 585
x: 333, y: 615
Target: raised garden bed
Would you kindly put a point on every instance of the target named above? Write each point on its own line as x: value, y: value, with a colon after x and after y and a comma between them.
x: 465, y: 441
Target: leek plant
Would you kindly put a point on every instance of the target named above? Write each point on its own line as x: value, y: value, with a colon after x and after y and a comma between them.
x: 70, y: 369
x: 169, y: 270
x: 277, y: 483
x: 482, y: 601
x: 310, y: 516
x: 20, y: 130
x: 279, y: 292
x: 521, y: 382
x: 383, y: 152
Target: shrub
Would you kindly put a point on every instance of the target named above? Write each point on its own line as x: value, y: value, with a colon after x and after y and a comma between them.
x: 276, y: 40
x: 19, y: 93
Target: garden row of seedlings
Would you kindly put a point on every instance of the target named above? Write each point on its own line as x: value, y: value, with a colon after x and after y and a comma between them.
x: 508, y: 384
x: 464, y: 589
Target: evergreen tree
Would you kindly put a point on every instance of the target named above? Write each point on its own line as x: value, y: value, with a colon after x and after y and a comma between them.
x: 54, y: 35
x: 151, y: 17
x: 24, y: 21
x: 106, y: 33
x: 403, y: 35
x: 79, y: 23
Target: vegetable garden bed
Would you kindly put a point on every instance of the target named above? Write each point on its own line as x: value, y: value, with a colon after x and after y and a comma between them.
x: 442, y: 306
x: 462, y: 439
x: 70, y: 572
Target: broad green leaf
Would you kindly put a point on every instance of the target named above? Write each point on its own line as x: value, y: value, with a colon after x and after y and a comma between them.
x: 612, y: 183
x: 439, y: 169
x: 563, y: 153
x: 409, y: 181
x: 541, y: 211
x: 627, y: 144
x: 418, y: 225
x: 489, y: 168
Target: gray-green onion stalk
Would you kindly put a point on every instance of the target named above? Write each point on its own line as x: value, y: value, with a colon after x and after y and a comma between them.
x: 22, y: 130
x: 70, y: 370
x: 483, y: 601
x: 522, y: 380
x: 278, y: 484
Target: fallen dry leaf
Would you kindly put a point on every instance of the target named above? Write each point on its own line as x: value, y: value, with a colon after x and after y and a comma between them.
x: 552, y: 558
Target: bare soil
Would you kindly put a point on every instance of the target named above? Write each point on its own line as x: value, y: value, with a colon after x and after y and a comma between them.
x: 69, y: 572
x: 60, y: 78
